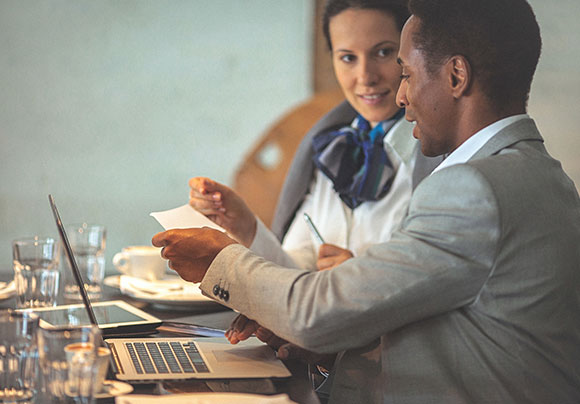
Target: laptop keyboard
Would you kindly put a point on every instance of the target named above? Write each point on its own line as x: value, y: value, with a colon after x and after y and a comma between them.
x: 166, y: 357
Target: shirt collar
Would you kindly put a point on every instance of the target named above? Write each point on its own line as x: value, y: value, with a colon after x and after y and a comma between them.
x: 468, y: 148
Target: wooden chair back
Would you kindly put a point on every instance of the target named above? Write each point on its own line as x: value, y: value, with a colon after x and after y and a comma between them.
x: 259, y: 179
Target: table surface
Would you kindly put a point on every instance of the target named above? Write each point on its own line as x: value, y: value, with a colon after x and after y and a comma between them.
x: 297, y: 387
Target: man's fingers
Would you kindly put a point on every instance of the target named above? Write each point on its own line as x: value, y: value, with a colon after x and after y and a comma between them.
x: 239, y: 322
x: 248, y: 330
x: 264, y: 334
x: 234, y: 328
x: 290, y: 351
x: 294, y: 352
x: 160, y: 239
x: 269, y: 338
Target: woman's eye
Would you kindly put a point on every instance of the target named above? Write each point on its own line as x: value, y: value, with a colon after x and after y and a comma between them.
x: 347, y: 58
x: 404, y: 77
x: 385, y: 52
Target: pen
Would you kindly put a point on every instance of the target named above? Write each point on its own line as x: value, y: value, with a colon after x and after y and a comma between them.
x: 313, y: 229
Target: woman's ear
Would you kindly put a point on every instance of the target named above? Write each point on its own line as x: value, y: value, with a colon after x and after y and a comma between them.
x: 459, y: 73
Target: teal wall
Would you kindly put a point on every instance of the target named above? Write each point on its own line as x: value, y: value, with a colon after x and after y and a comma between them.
x: 112, y: 105
x: 555, y: 97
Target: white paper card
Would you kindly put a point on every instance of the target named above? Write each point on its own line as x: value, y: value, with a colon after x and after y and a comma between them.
x: 183, y: 217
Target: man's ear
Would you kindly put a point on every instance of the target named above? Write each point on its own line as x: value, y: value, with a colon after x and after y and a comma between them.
x: 459, y: 73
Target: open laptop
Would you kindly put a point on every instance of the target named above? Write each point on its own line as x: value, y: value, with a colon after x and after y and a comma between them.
x: 145, y: 360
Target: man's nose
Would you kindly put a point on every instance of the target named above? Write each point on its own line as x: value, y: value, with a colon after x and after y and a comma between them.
x: 401, y: 96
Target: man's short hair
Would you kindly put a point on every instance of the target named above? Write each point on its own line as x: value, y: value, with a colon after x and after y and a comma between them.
x: 499, y: 38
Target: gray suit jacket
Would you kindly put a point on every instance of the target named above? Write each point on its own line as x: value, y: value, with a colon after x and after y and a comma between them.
x: 301, y: 171
x: 474, y: 300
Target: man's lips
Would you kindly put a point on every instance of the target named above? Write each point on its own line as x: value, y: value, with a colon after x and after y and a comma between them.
x: 411, y: 119
x: 416, y: 132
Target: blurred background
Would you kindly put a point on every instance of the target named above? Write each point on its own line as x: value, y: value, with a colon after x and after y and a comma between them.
x: 112, y: 105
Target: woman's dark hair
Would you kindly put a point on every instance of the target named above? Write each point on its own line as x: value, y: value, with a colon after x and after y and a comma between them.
x: 397, y: 8
x: 499, y: 38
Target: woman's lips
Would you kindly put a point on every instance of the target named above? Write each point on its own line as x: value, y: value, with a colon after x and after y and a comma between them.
x: 373, y: 99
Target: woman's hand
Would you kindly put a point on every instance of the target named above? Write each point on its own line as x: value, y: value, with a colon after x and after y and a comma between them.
x: 224, y: 207
x: 330, y: 255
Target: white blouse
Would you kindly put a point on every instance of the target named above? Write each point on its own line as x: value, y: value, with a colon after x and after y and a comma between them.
x: 352, y: 229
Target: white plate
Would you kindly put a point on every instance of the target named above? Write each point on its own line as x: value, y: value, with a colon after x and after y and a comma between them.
x: 185, y: 298
x: 114, y: 388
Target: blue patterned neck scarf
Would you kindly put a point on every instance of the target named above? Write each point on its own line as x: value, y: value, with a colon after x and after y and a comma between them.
x: 354, y: 159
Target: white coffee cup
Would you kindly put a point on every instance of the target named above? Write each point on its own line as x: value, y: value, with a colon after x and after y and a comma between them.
x: 141, y: 262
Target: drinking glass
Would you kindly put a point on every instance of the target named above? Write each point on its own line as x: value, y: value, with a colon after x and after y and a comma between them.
x: 88, y: 244
x: 18, y: 356
x: 36, y: 274
x: 69, y: 363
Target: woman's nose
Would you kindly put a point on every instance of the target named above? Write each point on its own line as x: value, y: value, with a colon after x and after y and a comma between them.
x: 367, y: 74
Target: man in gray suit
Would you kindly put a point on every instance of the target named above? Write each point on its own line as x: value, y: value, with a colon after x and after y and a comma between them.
x: 476, y: 298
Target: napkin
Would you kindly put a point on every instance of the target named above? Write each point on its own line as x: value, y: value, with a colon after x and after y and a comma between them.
x: 7, y: 289
x: 164, y: 288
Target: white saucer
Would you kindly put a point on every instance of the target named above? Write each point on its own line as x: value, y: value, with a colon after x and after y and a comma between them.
x: 113, y: 388
x: 185, y: 299
x: 7, y: 290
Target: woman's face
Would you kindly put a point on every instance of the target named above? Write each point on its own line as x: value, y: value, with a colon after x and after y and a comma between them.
x: 365, y: 44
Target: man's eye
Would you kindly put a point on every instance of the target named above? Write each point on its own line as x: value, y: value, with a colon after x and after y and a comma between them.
x: 404, y: 77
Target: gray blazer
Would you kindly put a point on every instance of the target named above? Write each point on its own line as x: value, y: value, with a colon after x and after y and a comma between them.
x: 301, y: 171
x: 474, y: 300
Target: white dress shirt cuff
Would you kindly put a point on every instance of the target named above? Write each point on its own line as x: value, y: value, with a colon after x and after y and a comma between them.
x: 266, y: 245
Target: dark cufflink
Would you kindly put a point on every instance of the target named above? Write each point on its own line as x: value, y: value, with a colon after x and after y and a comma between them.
x: 217, y: 290
x: 226, y: 295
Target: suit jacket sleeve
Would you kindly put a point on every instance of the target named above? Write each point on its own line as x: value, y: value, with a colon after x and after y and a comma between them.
x: 437, y: 262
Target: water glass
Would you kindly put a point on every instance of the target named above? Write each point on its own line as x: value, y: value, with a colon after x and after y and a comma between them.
x: 88, y: 245
x: 36, y: 273
x: 69, y: 363
x: 18, y: 356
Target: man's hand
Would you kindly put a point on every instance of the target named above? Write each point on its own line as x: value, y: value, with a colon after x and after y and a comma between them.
x: 330, y: 255
x: 224, y: 207
x: 191, y: 251
x: 242, y: 328
x: 290, y: 351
